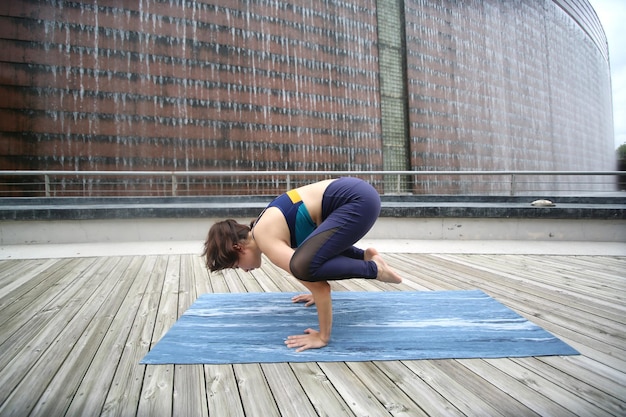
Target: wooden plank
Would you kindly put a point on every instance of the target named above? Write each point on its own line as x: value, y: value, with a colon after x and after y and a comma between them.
x: 10, y: 267
x: 566, y: 317
x: 365, y: 285
x: 573, y: 403
x: 7, y: 266
x: 249, y: 281
x: 417, y: 269
x: 326, y: 400
x: 586, y: 339
x: 428, y: 399
x: 570, y: 279
x: 17, y: 299
x: 539, y: 310
x: 529, y: 286
x: 190, y: 397
x: 485, y: 388
x: 50, y: 359
x: 92, y: 393
x: 508, y: 385
x: 282, y: 279
x: 544, y: 282
x: 453, y: 389
x: 286, y: 390
x: 233, y: 281
x: 256, y: 395
x: 168, y: 305
x: 592, y: 271
x: 17, y: 277
x: 608, y: 380
x: 187, y: 292
x: 577, y: 337
x: 83, y: 359
x: 124, y: 393
x: 265, y: 283
x: 576, y: 387
x: 222, y: 391
x: 395, y: 401
x: 409, y: 273
x: 51, y: 292
x: 218, y: 282
x: 610, y: 264
x: 202, y: 280
x: 356, y: 395
x: 39, y: 331
x: 156, y: 397
x: 545, y: 386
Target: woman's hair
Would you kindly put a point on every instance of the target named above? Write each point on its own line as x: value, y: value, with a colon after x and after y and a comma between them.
x: 219, y: 248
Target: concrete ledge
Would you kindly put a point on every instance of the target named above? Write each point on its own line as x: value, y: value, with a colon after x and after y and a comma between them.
x: 185, y: 229
x: 37, y: 209
x: 85, y: 220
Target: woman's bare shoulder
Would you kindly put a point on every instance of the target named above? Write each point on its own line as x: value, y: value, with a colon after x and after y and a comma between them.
x: 272, y: 237
x: 271, y: 226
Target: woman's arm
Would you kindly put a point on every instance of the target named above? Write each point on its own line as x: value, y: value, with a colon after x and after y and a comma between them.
x: 272, y: 237
x: 313, y: 338
x: 280, y: 254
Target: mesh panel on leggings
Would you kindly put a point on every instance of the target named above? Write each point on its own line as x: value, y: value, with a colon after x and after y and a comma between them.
x: 303, y: 256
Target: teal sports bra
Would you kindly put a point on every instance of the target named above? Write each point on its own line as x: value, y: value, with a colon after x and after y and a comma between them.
x: 296, y: 214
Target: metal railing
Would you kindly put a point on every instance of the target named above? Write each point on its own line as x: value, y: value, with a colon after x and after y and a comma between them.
x: 51, y: 183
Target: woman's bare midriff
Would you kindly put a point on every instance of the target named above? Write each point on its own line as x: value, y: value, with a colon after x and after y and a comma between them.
x: 312, y: 196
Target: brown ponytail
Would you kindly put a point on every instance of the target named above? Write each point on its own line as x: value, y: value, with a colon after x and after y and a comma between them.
x: 219, y: 248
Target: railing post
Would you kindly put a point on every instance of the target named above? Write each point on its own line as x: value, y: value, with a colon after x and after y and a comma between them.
x: 46, y: 181
x: 174, y: 185
x: 512, y: 185
x: 288, y: 182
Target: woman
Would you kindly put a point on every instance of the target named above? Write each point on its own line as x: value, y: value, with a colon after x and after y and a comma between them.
x: 309, y: 232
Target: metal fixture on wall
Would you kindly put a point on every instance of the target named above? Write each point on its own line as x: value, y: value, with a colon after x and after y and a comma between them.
x: 393, y: 91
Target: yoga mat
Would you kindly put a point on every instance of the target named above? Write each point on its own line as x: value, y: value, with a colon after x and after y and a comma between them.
x: 368, y: 326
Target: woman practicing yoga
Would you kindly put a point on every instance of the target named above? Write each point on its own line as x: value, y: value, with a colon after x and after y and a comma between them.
x: 309, y: 232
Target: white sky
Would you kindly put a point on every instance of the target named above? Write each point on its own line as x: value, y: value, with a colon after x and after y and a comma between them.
x: 612, y: 14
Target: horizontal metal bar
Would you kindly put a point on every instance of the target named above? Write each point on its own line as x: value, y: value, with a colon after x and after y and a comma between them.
x: 285, y: 173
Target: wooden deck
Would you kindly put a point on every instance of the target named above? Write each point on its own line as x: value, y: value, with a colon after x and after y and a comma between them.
x: 72, y: 332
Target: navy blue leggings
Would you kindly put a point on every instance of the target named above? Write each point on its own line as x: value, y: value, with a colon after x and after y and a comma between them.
x: 349, y: 209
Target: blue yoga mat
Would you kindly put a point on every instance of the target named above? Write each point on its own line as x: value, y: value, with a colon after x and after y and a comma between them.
x: 368, y: 326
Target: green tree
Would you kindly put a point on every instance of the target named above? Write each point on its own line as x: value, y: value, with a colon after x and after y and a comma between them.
x: 621, y: 151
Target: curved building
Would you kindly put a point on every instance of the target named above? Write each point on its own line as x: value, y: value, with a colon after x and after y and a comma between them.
x: 300, y: 85
x: 508, y: 85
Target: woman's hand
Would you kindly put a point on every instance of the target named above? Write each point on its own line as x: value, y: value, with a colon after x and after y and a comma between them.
x: 310, y: 340
x: 304, y: 298
x: 313, y: 339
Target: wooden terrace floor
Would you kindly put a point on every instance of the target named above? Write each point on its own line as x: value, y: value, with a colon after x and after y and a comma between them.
x: 72, y: 331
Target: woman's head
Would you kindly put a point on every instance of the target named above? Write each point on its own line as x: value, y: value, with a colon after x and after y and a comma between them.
x: 223, y: 244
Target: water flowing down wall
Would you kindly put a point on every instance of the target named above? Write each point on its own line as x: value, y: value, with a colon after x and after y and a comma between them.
x: 507, y: 85
x: 181, y: 85
x: 296, y: 85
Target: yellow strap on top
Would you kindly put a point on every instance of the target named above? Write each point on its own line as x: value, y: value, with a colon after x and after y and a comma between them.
x: 294, y: 196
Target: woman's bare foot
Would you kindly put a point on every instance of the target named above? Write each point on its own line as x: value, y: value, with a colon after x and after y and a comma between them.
x: 370, y: 253
x: 385, y: 273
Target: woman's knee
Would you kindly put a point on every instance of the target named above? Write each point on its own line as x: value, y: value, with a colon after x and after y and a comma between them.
x: 299, y: 267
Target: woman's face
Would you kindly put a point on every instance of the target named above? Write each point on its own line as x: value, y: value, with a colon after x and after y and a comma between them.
x: 249, y: 258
